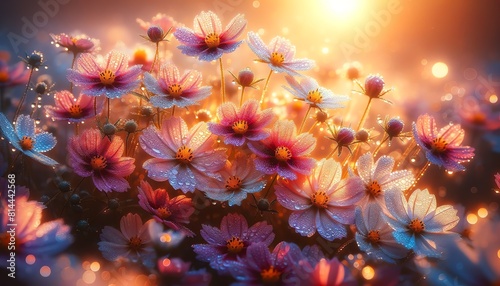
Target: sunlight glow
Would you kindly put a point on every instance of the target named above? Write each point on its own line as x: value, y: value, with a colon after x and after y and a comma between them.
x: 341, y: 7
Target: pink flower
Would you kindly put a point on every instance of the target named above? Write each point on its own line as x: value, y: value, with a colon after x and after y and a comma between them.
x: 111, y: 76
x: 239, y: 125
x: 497, y: 180
x: 91, y: 155
x: 283, y: 152
x: 208, y: 41
x: 67, y: 107
x: 12, y: 75
x: 173, y: 213
x: 186, y: 158
x: 75, y: 44
x: 442, y: 148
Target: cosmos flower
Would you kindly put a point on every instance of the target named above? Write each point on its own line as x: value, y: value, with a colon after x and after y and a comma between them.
x: 12, y: 75
x: 171, y: 89
x: 132, y: 241
x: 379, y: 178
x: 68, y: 108
x: 279, y: 54
x: 173, y: 213
x: 331, y: 273
x: 239, y: 178
x: 26, y: 139
x: 230, y: 241
x: 442, y: 148
x: 322, y: 202
x: 418, y: 224
x: 110, y: 77
x: 284, y: 152
x: 479, y: 115
x: 374, y: 235
x: 238, y: 125
x: 207, y: 40
x: 309, y: 91
x: 186, y: 158
x: 91, y: 155
x: 374, y: 87
x: 76, y: 44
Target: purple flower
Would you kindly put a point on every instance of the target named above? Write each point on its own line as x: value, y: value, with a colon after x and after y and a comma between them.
x: 67, y: 107
x: 111, y: 76
x: 283, y: 152
x: 231, y: 240
x: 279, y: 54
x: 77, y: 45
x: 91, y: 155
x: 323, y: 202
x: 309, y: 91
x: 208, y: 41
x: 239, y: 125
x: 186, y: 158
x: 173, y: 213
x: 171, y: 89
x: 442, y: 147
x: 25, y: 138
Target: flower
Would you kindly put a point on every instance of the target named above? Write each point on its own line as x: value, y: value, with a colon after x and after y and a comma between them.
x: 418, y: 224
x: 173, y: 213
x: 284, y: 152
x: 374, y: 235
x: 34, y: 61
x: 12, y: 75
x: 279, y: 54
x: 186, y: 158
x: 245, y: 123
x: 317, y: 96
x: 442, y: 148
x: 239, y: 178
x: 245, y: 78
x: 71, y: 109
x: 111, y: 77
x: 374, y: 87
x: 497, y: 180
x: 344, y: 137
x: 131, y: 242
x: 161, y: 20
x: 91, y: 155
x: 75, y: 44
x: 378, y: 178
x: 25, y: 138
x: 230, y: 241
x: 171, y: 89
x: 156, y: 34
x: 331, y: 273
x: 322, y: 202
x: 208, y: 41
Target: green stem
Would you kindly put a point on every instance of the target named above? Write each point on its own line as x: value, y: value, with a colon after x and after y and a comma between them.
x: 23, y: 97
x: 380, y: 145
x: 241, y: 97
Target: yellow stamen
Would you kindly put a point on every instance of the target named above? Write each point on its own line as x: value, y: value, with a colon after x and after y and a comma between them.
x: 184, y: 154
x: 212, y: 40
x: 315, y: 96
x: 233, y: 183
x: 75, y: 111
x: 373, y: 236
x: 270, y: 275
x: 135, y: 243
x: 98, y: 163
x: 107, y: 77
x: 26, y: 143
x: 277, y: 59
x: 164, y: 212
x: 416, y: 226
x: 438, y: 145
x: 320, y: 199
x: 235, y: 245
x: 240, y: 126
x: 175, y: 90
x: 373, y: 189
x: 282, y: 154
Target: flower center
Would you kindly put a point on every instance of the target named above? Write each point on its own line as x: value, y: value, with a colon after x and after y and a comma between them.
x: 233, y: 183
x: 175, y: 90
x: 235, y: 245
x: 184, y: 154
x: 4, y: 76
x: 164, y: 212
x: 416, y: 226
x: 212, y: 40
x: 277, y: 58
x: 320, y: 199
x: 240, y: 126
x: 98, y: 163
x: 438, y: 145
x: 270, y: 275
x: 75, y: 111
x: 282, y: 154
x: 135, y: 243
x: 107, y: 77
x: 373, y: 236
x: 315, y: 96
x: 373, y: 189
x: 478, y: 118
x: 26, y: 143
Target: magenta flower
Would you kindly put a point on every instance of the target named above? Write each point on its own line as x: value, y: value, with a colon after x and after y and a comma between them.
x: 230, y: 242
x: 442, y: 148
x: 68, y: 108
x: 12, y: 75
x: 77, y: 45
x: 171, y: 89
x: 279, y: 54
x: 186, y: 158
x: 208, y: 41
x: 322, y: 202
x: 91, y: 155
x: 239, y: 125
x: 283, y: 152
x: 111, y: 76
x: 173, y: 213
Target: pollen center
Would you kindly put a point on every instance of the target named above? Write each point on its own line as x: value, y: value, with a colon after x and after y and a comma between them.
x: 373, y: 189
x: 98, y: 163
x: 235, y: 245
x: 184, y: 154
x: 320, y: 199
x: 270, y: 275
x: 135, y: 243
x: 26, y: 143
x: 277, y: 59
x: 315, y: 96
x: 164, y: 212
x: 107, y: 77
x: 212, y: 40
x: 416, y: 226
x: 75, y: 111
x: 4, y: 76
x: 240, y: 126
x: 438, y: 145
x: 233, y: 183
x: 373, y: 236
x: 175, y: 90
x: 282, y: 154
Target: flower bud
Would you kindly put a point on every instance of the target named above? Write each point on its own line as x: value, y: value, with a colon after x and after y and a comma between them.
x: 245, y: 77
x: 345, y: 136
x: 362, y: 135
x: 109, y: 129
x: 34, y: 60
x: 374, y: 84
x: 155, y: 34
x: 130, y: 126
x: 321, y: 116
x: 394, y: 127
x: 41, y: 87
x: 64, y: 186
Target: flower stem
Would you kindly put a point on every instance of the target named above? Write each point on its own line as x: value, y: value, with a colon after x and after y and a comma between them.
x: 158, y: 116
x: 109, y: 107
x: 23, y: 97
x: 242, y: 93
x: 72, y: 66
x: 420, y: 174
x: 405, y: 154
x: 304, y: 120
x: 363, y: 118
x: 155, y: 58
x: 222, y: 82
x: 380, y: 145
x: 271, y: 185
x: 173, y: 111
x: 264, y: 90
x: 76, y: 128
